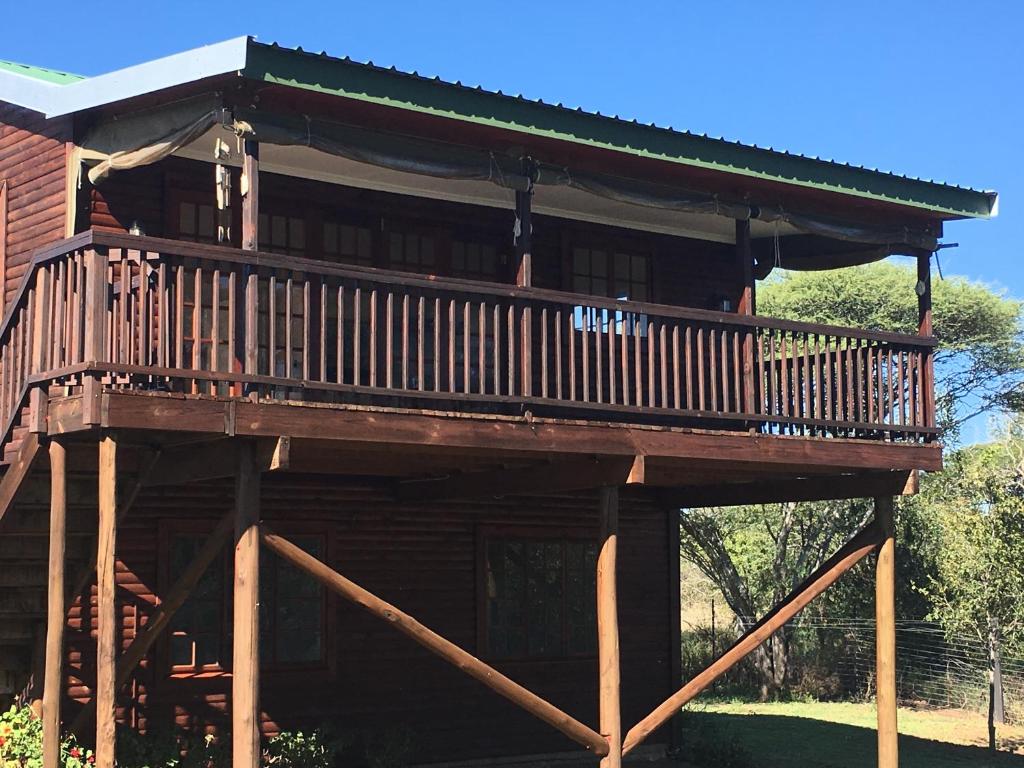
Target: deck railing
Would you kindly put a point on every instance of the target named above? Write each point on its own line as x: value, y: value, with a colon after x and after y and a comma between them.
x: 147, y: 313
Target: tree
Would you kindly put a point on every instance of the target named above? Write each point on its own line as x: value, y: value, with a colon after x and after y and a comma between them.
x: 756, y: 555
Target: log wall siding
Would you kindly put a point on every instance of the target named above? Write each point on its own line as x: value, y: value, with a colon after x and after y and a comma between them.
x: 685, y: 272
x: 423, y: 558
x: 33, y: 161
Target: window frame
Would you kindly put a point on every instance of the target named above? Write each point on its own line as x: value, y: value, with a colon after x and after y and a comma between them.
x: 563, y: 534
x: 168, y: 529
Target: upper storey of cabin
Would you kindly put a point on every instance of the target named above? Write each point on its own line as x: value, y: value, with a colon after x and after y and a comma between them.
x: 272, y: 221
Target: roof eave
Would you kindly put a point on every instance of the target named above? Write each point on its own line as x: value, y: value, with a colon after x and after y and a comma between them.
x: 392, y: 88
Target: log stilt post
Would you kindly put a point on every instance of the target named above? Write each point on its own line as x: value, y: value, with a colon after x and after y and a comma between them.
x: 108, y: 623
x: 248, y: 344
x: 245, y: 680
x: 885, y: 630
x: 55, y: 615
x: 608, y: 628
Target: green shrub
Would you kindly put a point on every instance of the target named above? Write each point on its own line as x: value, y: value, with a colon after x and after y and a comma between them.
x: 21, y: 742
x: 294, y: 749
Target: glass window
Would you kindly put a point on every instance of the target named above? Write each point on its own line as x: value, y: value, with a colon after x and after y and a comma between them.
x: 541, y: 597
x: 291, y: 609
x: 282, y: 234
x: 411, y: 250
x: 479, y: 261
x: 347, y: 243
x: 197, y: 223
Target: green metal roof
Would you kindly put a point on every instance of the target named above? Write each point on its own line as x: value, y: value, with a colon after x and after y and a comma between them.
x: 366, y: 82
x: 39, y: 73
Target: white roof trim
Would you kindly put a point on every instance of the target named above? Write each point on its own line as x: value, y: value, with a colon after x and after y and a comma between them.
x: 55, y: 100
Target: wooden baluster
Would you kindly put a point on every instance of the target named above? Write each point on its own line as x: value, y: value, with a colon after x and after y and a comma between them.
x: 323, y: 330
x: 701, y: 400
x: 612, y: 333
x: 572, y: 355
x: 585, y: 349
x: 340, y: 351
x: 357, y: 335
x: 466, y: 352
x: 624, y: 354
x: 850, y: 387
x: 543, y: 351
x: 784, y: 391
x: 651, y: 382
x: 599, y: 355
x: 389, y: 341
x: 451, y: 345
x: 638, y: 363
x: 232, y: 322
x: 512, y: 349
x: 713, y: 359
x: 806, y: 411
x: 496, y: 352
x: 736, y: 406
x: 676, y: 386
x: 437, y: 344
x: 289, y: 339
x: 558, y: 353
x: 372, y: 347
x: 663, y: 339
x: 272, y: 328
x: 420, y: 342
x: 481, y: 349
x: 405, y: 341
x: 688, y: 364
x: 306, y: 320
x: 215, y: 320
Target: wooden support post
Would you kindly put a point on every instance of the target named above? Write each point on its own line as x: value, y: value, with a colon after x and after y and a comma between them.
x: 245, y: 660
x: 885, y: 634
x: 108, y: 621
x: 675, y: 648
x: 849, y: 555
x: 250, y: 195
x: 55, y: 614
x: 95, y: 326
x: 524, y: 279
x: 745, y: 306
x: 608, y: 629
x: 437, y: 645
x: 924, y: 328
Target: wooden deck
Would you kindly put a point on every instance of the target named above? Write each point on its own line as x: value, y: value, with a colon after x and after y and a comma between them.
x: 140, y: 314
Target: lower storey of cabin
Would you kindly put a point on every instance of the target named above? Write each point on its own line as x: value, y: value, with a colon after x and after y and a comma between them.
x: 510, y: 580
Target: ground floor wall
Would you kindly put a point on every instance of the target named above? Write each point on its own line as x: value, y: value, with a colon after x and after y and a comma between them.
x: 427, y: 560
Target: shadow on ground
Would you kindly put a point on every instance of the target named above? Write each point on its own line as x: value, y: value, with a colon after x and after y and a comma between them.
x: 774, y: 741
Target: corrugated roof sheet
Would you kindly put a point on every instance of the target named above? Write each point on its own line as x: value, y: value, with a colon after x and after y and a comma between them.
x: 40, y: 73
x: 466, y: 102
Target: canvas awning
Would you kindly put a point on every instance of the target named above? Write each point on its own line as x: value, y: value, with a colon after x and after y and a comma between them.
x: 146, y: 137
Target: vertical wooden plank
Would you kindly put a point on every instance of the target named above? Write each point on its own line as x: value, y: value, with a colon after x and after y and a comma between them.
x: 624, y: 354
x: 638, y: 363
x: 701, y: 404
x: 272, y: 326
x: 599, y: 357
x: 481, y: 337
x: 55, y: 612
x: 420, y: 342
x: 289, y: 341
x: 389, y: 340
x: 437, y: 343
x: 466, y: 352
x: 451, y: 345
x: 713, y: 354
x: 245, y: 681
x: 373, y: 337
x: 357, y: 335
x: 108, y: 624
x: 608, y: 628
x: 924, y: 329
x: 651, y: 378
x: 558, y: 354
x: 323, y: 330
x: 612, y: 334
x: 585, y: 350
x: 543, y: 350
x: 307, y: 315
x: 252, y: 317
x: 571, y: 330
x: 95, y: 329
x: 340, y: 351
x: 688, y: 364
x: 885, y: 633
x: 496, y: 352
x: 511, y: 348
x: 663, y: 363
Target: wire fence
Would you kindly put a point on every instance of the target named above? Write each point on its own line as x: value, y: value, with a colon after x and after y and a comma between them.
x: 834, y: 659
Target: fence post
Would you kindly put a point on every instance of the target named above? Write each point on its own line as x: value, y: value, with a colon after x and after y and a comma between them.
x: 97, y: 300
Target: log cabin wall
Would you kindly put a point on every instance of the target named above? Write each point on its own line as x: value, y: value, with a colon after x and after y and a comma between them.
x: 427, y: 560
x: 33, y: 162
x: 682, y: 271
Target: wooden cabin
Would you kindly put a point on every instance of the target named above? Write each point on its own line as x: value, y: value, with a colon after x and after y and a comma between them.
x: 337, y: 394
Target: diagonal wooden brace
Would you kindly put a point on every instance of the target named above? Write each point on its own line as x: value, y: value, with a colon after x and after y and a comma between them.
x: 862, y: 544
x: 436, y: 644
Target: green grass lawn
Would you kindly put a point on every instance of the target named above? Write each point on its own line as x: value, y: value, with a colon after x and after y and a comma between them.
x: 842, y: 735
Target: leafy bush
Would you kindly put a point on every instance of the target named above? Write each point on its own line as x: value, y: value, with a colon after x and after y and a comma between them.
x: 21, y: 742
x: 21, y: 746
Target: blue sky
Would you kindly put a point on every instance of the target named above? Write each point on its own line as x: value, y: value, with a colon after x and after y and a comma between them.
x: 930, y: 89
